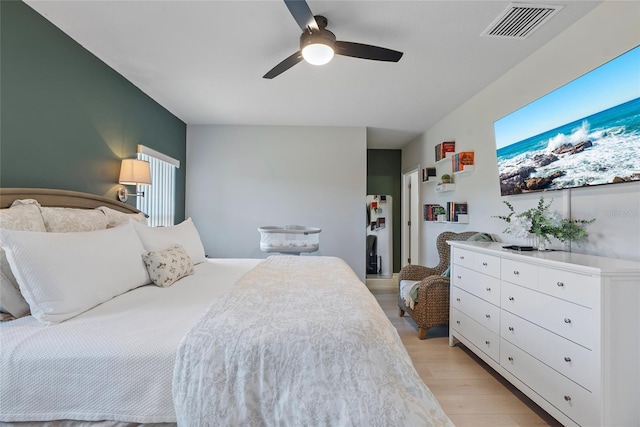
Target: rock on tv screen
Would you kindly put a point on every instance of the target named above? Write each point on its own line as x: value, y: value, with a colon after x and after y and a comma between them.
x: 584, y: 133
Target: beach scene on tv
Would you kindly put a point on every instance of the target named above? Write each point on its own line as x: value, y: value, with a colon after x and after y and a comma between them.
x: 585, y: 133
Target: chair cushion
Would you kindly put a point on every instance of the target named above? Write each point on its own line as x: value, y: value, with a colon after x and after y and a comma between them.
x: 481, y: 237
x: 409, y: 292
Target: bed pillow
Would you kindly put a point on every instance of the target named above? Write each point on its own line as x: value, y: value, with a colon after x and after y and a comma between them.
x: 66, y: 220
x: 64, y: 274
x: 116, y: 218
x: 168, y: 266
x: 22, y: 215
x: 161, y: 238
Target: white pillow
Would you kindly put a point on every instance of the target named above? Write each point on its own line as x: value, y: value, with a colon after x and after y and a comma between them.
x: 64, y: 274
x: 23, y: 215
x: 160, y: 238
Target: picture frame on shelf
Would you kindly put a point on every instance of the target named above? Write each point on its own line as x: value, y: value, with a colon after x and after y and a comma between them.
x: 428, y: 173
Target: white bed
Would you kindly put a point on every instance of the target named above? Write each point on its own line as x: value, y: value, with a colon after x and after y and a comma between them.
x: 127, y: 343
x: 286, y: 341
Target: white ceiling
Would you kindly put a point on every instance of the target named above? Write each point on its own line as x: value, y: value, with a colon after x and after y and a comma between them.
x: 204, y: 60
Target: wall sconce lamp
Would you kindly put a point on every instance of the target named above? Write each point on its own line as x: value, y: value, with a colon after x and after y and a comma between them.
x: 133, y: 172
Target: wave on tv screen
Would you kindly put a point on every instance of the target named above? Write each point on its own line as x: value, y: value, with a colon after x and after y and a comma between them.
x: 594, y: 138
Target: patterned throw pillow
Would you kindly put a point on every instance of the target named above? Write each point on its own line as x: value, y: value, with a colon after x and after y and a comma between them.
x: 68, y: 220
x: 168, y: 266
x: 116, y: 218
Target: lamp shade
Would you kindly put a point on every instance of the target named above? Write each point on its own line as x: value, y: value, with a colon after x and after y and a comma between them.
x: 135, y: 172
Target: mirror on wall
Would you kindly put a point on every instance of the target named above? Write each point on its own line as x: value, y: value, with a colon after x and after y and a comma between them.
x: 379, y: 248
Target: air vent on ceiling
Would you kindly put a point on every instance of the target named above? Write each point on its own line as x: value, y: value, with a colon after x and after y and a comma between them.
x: 520, y: 20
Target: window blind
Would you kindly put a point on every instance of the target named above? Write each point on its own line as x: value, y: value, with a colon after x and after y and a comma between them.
x: 159, y: 197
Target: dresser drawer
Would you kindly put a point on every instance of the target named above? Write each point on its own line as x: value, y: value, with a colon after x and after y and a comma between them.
x: 477, y: 334
x: 486, y: 314
x: 574, y: 322
x: 568, y: 358
x: 520, y: 273
x: 574, y: 401
x: 579, y: 288
x: 487, y: 264
x: 462, y: 257
x: 480, y: 285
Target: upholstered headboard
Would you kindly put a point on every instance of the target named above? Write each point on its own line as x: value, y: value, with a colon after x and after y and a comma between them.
x: 61, y: 198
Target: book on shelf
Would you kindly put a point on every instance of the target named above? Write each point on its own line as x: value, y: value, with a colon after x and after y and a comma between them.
x: 443, y: 148
x: 462, y: 159
x: 430, y: 212
x: 454, y: 209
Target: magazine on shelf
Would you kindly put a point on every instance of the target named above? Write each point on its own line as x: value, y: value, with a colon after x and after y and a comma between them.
x: 454, y: 209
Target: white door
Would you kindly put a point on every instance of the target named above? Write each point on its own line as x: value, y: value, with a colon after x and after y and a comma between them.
x: 410, y: 217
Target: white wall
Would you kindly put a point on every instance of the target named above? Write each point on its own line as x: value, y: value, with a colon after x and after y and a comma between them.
x: 608, y: 31
x: 242, y: 177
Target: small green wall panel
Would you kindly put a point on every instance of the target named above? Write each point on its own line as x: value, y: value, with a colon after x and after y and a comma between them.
x: 67, y: 118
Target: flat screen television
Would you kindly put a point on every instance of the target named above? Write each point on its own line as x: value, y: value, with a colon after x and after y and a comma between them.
x: 584, y: 133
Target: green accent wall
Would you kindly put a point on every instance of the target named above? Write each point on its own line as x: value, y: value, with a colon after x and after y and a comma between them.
x: 384, y: 176
x: 67, y: 118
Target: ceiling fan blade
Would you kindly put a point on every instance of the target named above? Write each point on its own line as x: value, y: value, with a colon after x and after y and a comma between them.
x: 302, y: 14
x: 365, y: 51
x: 284, y: 65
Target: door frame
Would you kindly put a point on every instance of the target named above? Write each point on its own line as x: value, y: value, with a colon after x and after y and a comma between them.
x: 410, y: 204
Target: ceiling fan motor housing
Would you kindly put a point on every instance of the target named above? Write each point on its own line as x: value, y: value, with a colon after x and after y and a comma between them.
x: 321, y: 36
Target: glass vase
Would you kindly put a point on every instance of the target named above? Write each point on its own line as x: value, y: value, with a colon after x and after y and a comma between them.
x: 541, y: 243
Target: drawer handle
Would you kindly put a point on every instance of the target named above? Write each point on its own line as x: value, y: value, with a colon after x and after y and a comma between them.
x: 510, y: 359
x: 461, y: 257
x: 458, y: 299
x: 511, y: 328
x: 567, y: 398
x: 458, y: 322
x: 484, y: 264
x: 459, y: 277
x: 511, y: 298
x: 488, y: 316
x: 487, y: 342
x: 488, y: 289
x: 560, y: 284
x: 567, y: 320
x: 516, y: 272
x: 567, y: 359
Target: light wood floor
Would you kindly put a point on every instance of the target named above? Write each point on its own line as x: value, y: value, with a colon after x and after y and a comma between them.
x: 470, y: 392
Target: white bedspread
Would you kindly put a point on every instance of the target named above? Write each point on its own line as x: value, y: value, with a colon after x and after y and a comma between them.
x: 113, y: 362
x: 299, y: 341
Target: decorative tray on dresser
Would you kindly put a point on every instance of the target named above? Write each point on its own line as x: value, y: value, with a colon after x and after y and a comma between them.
x: 563, y: 327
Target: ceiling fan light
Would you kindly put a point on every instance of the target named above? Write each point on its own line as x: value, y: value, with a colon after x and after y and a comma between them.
x: 317, y: 47
x: 317, y: 53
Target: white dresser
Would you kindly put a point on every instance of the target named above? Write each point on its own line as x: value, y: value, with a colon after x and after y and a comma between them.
x: 564, y: 328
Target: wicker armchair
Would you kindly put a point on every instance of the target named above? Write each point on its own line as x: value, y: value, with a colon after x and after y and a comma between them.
x: 432, y: 304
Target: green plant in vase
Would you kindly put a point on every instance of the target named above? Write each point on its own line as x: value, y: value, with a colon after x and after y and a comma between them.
x: 543, y: 223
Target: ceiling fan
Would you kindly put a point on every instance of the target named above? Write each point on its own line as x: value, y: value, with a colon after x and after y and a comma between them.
x: 318, y: 45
